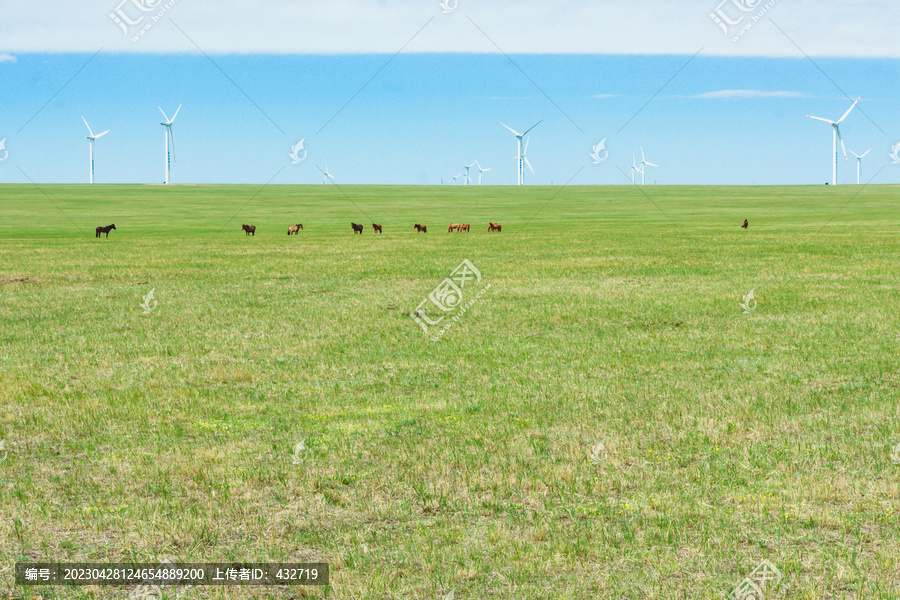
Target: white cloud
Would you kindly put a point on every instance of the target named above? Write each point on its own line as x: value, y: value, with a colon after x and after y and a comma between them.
x: 818, y: 27
x: 7, y: 57
x: 728, y: 94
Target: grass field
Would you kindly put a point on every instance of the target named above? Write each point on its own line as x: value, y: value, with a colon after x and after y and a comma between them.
x: 468, y: 465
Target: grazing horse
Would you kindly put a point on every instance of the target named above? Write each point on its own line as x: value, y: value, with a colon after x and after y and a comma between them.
x: 357, y: 228
x: 464, y: 227
x: 105, y: 230
x: 376, y: 227
x: 493, y: 227
x: 452, y: 227
x: 746, y: 224
x: 249, y: 229
x: 295, y: 229
x: 421, y: 228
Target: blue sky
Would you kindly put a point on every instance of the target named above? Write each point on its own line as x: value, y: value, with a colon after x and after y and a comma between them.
x: 732, y: 114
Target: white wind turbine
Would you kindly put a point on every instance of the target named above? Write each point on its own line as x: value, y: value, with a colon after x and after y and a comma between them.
x: 859, y: 158
x: 634, y: 168
x: 480, y: 171
x: 521, y: 157
x: 168, y: 125
x: 468, y: 179
x: 836, y: 134
x: 644, y: 165
x: 326, y: 173
x: 93, y: 138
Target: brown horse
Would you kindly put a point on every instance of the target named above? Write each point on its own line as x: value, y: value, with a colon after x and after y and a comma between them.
x: 493, y: 227
x: 249, y: 229
x: 376, y: 227
x: 452, y: 227
x: 421, y: 228
x: 295, y: 229
x: 746, y: 224
x: 464, y: 227
x: 357, y: 228
x: 105, y: 230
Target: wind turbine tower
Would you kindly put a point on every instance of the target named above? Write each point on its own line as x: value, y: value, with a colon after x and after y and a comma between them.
x: 93, y: 138
x: 521, y: 158
x: 835, y: 135
x: 168, y: 125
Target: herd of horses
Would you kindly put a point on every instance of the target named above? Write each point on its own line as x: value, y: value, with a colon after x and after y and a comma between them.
x: 357, y: 228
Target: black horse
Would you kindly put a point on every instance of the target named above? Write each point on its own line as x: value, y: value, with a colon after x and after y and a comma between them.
x: 105, y: 230
x: 357, y: 228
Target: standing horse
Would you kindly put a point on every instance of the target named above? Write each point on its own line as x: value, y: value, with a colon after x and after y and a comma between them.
x: 376, y: 227
x: 105, y: 230
x: 421, y: 228
x: 464, y: 227
x: 357, y: 228
x: 746, y: 224
x: 452, y: 227
x: 493, y: 227
x: 295, y: 229
x: 249, y: 229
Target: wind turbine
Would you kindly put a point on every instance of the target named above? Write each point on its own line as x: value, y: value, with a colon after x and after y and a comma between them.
x: 859, y: 158
x: 836, y: 133
x: 480, y: 171
x: 93, y: 138
x: 168, y: 125
x: 634, y: 168
x: 468, y: 179
x: 326, y: 173
x: 521, y: 157
x: 644, y: 165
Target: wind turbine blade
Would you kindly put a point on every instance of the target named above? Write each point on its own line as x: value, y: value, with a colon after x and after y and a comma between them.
x: 513, y: 130
x: 172, y: 137
x: 88, y: 126
x: 820, y: 119
x: 650, y: 164
x: 486, y: 170
x: 838, y: 130
x: 849, y: 109
x: 528, y: 163
x: 100, y: 135
x: 533, y: 126
x: 525, y: 151
x: 176, y: 112
x: 866, y: 152
x: 164, y: 115
x: 643, y: 158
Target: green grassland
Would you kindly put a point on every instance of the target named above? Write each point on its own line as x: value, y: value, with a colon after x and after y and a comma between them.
x: 469, y: 464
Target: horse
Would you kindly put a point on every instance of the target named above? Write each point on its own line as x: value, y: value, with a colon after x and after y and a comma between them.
x: 421, y: 228
x: 452, y: 227
x: 105, y: 230
x: 463, y: 227
x: 357, y: 228
x: 746, y: 224
x: 376, y: 227
x: 295, y: 229
x: 249, y: 229
x: 493, y: 227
